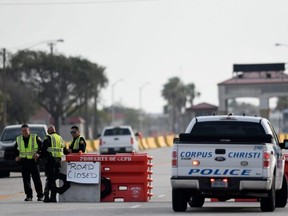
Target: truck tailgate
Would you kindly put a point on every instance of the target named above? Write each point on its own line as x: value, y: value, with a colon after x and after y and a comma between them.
x: 117, y: 141
x: 220, y: 160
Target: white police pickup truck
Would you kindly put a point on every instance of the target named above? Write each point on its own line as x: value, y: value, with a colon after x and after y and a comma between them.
x: 227, y: 157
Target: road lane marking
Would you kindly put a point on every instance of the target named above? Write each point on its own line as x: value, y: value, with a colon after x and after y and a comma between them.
x: 6, y: 196
x: 135, y: 206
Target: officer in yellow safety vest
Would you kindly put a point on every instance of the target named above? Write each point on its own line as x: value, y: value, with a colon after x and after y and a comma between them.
x: 78, y: 144
x: 52, y: 151
x: 28, y: 148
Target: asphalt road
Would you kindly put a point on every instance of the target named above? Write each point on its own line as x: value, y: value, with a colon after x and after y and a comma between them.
x: 12, y: 196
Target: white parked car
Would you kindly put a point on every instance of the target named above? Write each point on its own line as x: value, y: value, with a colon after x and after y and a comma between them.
x: 119, y: 139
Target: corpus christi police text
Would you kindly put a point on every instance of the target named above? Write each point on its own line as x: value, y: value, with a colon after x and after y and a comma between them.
x: 204, y: 154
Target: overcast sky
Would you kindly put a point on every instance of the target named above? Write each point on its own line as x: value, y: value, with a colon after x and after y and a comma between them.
x: 150, y: 41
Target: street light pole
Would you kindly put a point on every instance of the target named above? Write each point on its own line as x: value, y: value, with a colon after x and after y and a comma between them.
x: 279, y: 121
x: 281, y: 44
x: 140, y: 106
x: 52, y: 43
x: 4, y: 89
x: 112, y: 100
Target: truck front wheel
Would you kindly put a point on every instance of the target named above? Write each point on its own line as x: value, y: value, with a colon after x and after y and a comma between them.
x: 179, y: 200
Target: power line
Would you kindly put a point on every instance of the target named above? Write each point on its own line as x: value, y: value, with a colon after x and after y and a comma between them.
x: 71, y: 2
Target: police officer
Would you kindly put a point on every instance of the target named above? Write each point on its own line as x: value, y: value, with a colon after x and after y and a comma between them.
x: 78, y: 143
x: 28, y: 147
x: 52, y: 151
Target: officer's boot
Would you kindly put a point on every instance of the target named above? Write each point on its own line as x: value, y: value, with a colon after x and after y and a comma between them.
x: 46, y: 197
x: 53, y: 195
x: 46, y: 192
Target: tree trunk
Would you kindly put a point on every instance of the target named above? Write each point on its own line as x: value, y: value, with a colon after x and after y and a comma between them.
x: 86, y: 115
x: 57, y: 119
x: 95, y: 112
x: 173, y: 116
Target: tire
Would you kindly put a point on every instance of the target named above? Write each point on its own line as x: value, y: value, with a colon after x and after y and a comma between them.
x: 179, y: 200
x: 267, y: 204
x: 4, y: 174
x: 281, y: 195
x: 196, y: 201
x: 65, y: 186
x: 107, y: 187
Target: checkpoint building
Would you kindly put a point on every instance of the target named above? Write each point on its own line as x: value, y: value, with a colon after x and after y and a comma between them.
x: 262, y: 81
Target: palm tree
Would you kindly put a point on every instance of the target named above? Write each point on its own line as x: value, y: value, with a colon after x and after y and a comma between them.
x: 177, y: 95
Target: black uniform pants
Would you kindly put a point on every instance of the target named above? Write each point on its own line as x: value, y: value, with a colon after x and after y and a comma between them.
x: 29, y: 167
x: 52, y: 169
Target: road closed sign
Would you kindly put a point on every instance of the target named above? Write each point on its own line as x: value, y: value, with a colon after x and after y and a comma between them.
x: 83, y: 172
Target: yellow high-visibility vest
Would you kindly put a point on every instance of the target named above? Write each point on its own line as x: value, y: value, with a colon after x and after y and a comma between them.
x: 31, y: 149
x: 76, y: 143
x: 57, y: 145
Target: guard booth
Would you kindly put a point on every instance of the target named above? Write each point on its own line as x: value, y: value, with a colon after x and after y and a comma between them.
x: 125, y: 177
x: 261, y: 81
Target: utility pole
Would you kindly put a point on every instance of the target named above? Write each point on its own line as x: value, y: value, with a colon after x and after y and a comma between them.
x: 4, y: 88
x: 112, y: 100
x: 51, y: 44
x: 140, y: 107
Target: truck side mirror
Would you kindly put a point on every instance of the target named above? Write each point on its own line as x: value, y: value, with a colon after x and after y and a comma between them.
x: 285, y: 144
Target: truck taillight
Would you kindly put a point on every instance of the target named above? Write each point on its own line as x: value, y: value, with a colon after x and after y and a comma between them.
x: 100, y: 142
x: 266, y: 159
x: 174, y: 158
x: 131, y: 141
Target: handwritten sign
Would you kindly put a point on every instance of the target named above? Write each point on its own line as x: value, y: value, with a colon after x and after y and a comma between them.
x: 83, y: 172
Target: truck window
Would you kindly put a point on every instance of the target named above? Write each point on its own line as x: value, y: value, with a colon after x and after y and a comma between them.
x: 275, y: 136
x: 39, y: 131
x: 226, y: 128
x: 11, y: 133
x: 117, y: 132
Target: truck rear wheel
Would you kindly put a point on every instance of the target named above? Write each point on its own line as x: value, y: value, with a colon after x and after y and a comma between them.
x: 267, y: 204
x: 281, y: 195
x: 179, y: 200
x: 196, y: 201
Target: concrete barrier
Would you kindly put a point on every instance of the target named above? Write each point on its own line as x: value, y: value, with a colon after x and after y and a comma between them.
x: 144, y: 143
x: 151, y: 142
x: 89, y: 146
x: 169, y: 140
x: 125, y: 177
x: 95, y: 145
x: 282, y: 136
x: 78, y: 192
x: 160, y: 141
